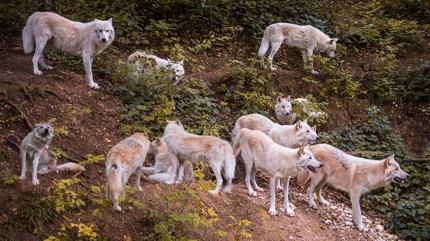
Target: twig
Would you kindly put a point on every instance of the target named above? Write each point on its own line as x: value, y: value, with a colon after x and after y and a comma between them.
x: 23, y: 115
x: 12, y: 142
x: 28, y: 95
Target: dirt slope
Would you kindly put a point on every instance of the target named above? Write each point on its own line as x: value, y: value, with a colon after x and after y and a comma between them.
x: 89, y: 123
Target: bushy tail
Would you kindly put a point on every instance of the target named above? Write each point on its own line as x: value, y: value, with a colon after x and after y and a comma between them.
x: 71, y: 166
x: 265, y: 44
x: 114, y: 182
x: 236, y: 144
x: 229, y: 162
x: 302, y: 177
x: 27, y: 38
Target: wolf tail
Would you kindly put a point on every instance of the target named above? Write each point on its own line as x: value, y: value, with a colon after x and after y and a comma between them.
x: 27, y: 37
x: 302, y: 177
x: 114, y: 180
x: 265, y: 44
x: 229, y: 162
x: 236, y: 144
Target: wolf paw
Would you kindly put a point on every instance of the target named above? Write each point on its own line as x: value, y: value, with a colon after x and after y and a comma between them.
x: 273, y: 212
x: 324, y: 202
x: 213, y: 192
x: 279, y: 188
x: 292, y: 206
x: 227, y: 189
x: 289, y: 211
x: 94, y: 85
x: 313, y: 205
x: 37, y: 72
x: 47, y: 67
x: 273, y: 68
x: 35, y: 182
x: 139, y: 189
x: 259, y: 189
x: 252, y: 193
x: 22, y: 177
x: 362, y: 228
x: 117, y: 208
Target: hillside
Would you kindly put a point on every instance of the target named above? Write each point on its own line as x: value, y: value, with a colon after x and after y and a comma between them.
x: 375, y: 92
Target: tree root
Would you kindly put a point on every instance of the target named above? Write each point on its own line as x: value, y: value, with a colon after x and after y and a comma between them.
x: 27, y: 121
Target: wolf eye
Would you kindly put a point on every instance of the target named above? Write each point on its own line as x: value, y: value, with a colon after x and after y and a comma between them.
x: 101, y: 31
x: 308, y: 131
x: 283, y: 106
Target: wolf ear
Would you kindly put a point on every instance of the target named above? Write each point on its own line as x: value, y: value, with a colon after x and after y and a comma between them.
x: 389, y: 160
x: 37, y: 125
x: 181, y: 62
x: 110, y: 20
x: 298, y: 125
x: 289, y: 98
x: 333, y: 41
x: 279, y: 99
x: 314, y: 128
x: 301, y: 151
x: 178, y: 121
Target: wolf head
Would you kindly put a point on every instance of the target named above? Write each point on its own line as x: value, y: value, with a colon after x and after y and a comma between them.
x: 283, y: 106
x: 43, y: 131
x: 104, y: 31
x: 156, y: 146
x: 330, y: 49
x: 178, y: 67
x: 393, y: 172
x: 306, y: 159
x: 305, y: 134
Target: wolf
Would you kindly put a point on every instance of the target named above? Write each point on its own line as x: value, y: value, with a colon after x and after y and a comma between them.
x: 350, y: 174
x: 84, y: 39
x: 307, y: 38
x: 284, y: 111
x: 122, y: 160
x: 177, y: 67
x: 217, y: 152
x: 33, y: 146
x: 260, y: 152
x: 163, y: 169
x: 292, y: 136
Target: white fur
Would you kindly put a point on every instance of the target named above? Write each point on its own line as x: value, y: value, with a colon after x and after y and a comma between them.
x: 177, y: 67
x: 217, y: 152
x: 307, y: 38
x: 84, y: 39
x: 284, y: 110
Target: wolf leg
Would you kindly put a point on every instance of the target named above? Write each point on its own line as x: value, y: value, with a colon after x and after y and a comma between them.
x: 305, y: 59
x: 88, y: 61
x: 318, y: 190
x: 279, y: 185
x: 35, y: 164
x: 315, y: 180
x: 310, y: 55
x: 253, y: 172
x: 249, y: 166
x: 287, y: 206
x: 274, y: 48
x: 38, y: 53
x: 216, y: 168
x: 356, y: 210
x: 272, y: 209
x: 43, y: 64
x: 23, y: 164
x: 139, y: 173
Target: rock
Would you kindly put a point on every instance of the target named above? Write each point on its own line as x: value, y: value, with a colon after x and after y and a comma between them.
x: 328, y: 222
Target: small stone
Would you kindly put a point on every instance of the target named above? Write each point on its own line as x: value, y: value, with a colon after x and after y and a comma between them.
x: 328, y: 222
x: 379, y: 227
x: 348, y: 223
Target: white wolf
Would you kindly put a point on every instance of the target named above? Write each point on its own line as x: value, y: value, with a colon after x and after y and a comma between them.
x: 163, y: 169
x: 177, y: 67
x: 351, y: 174
x: 122, y: 160
x: 292, y: 136
x: 214, y: 150
x: 284, y: 111
x: 84, y: 39
x: 259, y: 152
x: 307, y: 38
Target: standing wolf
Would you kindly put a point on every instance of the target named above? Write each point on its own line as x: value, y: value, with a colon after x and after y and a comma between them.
x: 217, y: 152
x: 84, y: 39
x: 260, y: 152
x: 351, y: 174
x: 307, y: 38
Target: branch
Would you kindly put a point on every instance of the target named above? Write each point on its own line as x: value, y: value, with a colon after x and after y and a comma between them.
x: 23, y: 115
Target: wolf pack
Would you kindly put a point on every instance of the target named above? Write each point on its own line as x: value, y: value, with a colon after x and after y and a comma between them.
x: 280, y: 151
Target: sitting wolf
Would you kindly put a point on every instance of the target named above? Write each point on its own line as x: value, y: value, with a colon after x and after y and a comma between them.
x: 307, y: 38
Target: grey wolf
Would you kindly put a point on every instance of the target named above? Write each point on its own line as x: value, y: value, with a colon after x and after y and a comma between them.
x: 84, y: 39
x: 217, y: 152
x: 163, y: 169
x: 350, y: 174
x: 137, y: 68
x: 307, y: 38
x: 259, y: 152
x: 33, y: 146
x: 284, y: 111
x: 122, y: 160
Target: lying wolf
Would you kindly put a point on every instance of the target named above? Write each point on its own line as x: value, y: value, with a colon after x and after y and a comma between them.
x: 351, y: 174
x: 35, y: 147
x: 259, y: 152
x: 217, y: 152
x: 307, y: 38
x: 284, y: 111
x: 122, y: 160
x: 163, y: 169
x: 136, y: 66
x: 84, y: 39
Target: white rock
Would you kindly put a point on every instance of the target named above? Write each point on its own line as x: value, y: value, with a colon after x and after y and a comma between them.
x: 328, y: 222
